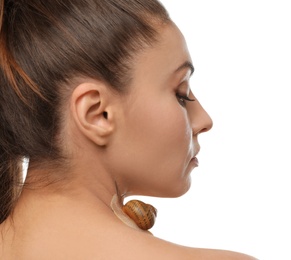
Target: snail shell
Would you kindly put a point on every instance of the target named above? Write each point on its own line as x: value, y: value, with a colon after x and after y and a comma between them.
x: 144, y: 215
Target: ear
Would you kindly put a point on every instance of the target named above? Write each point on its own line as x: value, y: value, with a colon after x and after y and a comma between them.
x: 91, y: 111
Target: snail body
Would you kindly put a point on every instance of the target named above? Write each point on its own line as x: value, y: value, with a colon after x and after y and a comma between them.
x: 144, y: 215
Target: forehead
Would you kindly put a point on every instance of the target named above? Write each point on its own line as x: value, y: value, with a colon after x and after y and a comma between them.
x: 162, y: 59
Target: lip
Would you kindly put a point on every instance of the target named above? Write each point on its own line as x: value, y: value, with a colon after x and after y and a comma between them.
x: 195, y: 161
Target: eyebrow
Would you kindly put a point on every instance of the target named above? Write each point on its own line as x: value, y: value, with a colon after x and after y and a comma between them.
x: 186, y: 64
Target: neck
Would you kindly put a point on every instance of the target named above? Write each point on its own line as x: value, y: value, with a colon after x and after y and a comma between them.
x: 81, y: 183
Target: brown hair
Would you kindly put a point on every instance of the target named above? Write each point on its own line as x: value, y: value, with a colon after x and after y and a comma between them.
x: 43, y: 46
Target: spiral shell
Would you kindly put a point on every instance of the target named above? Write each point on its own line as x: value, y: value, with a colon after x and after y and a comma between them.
x: 144, y: 215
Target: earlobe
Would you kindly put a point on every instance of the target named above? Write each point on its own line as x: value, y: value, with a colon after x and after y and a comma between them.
x: 91, y: 112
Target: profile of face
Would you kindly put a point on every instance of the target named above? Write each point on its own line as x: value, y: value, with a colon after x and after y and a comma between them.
x: 155, y: 145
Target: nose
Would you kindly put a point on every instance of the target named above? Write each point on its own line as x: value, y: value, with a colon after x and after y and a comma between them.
x: 200, y: 120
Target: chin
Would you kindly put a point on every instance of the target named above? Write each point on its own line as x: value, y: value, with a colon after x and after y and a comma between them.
x: 176, y: 191
x: 181, y: 192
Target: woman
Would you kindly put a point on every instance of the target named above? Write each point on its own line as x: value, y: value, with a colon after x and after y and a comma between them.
x: 96, y: 94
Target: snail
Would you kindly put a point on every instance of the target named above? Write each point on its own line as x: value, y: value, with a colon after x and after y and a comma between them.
x: 142, y: 214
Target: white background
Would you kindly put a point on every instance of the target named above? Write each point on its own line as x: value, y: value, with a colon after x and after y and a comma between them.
x: 240, y: 197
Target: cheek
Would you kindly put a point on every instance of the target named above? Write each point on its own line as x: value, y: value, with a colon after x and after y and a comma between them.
x: 161, y: 126
x: 174, y: 132
x: 166, y: 139
x: 173, y: 128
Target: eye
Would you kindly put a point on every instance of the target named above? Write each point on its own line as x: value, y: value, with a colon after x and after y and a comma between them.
x: 182, y: 99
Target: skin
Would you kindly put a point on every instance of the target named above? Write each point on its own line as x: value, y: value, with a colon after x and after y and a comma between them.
x: 139, y: 143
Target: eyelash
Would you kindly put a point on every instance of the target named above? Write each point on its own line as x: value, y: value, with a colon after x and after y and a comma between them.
x: 182, y: 99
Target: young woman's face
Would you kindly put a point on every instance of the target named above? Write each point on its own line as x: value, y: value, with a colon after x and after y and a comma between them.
x: 156, y: 141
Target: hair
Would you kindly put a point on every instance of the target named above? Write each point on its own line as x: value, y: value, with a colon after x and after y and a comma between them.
x: 44, y: 45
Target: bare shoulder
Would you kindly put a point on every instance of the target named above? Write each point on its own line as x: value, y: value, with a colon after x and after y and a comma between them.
x: 104, y: 242
x: 143, y: 246
x: 1, y: 241
x: 156, y: 248
x: 122, y: 242
x: 5, y: 238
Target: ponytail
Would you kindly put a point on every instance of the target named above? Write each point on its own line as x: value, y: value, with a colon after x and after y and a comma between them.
x: 9, y: 166
x: 10, y: 176
x: 1, y: 13
x: 10, y: 161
